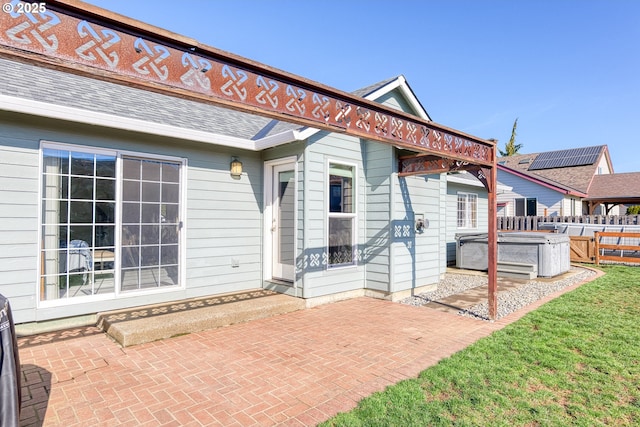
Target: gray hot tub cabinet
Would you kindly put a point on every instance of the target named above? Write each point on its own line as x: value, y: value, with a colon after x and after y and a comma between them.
x: 550, y: 252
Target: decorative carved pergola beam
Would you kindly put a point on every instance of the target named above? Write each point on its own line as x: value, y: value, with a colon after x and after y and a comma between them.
x: 87, y: 40
x: 429, y: 164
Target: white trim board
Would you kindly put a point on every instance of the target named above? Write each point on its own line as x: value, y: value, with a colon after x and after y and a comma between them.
x: 94, y: 118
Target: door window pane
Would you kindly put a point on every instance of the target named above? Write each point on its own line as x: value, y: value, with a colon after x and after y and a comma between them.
x: 170, y: 213
x: 131, y: 212
x: 82, y: 188
x: 170, y: 193
x: 169, y: 234
x: 105, y: 166
x: 151, y: 191
x: 149, y: 224
x: 171, y: 172
x: 151, y: 213
x: 286, y: 216
x: 151, y: 170
x: 82, y: 164
x: 105, y: 189
x: 130, y: 190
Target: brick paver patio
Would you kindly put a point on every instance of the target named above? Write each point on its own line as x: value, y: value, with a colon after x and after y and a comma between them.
x: 296, y: 369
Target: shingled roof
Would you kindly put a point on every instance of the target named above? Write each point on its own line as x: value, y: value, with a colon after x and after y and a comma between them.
x: 616, y: 186
x: 570, y: 177
x: 65, y: 89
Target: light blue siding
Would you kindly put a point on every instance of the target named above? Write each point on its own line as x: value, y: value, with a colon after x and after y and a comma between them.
x: 19, y: 183
x: 223, y: 215
x: 417, y: 259
x: 379, y: 168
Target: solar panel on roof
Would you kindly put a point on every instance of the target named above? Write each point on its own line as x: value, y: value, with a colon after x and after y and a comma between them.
x: 566, y: 158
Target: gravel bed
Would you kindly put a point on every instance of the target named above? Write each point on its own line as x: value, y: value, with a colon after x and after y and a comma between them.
x: 508, y: 302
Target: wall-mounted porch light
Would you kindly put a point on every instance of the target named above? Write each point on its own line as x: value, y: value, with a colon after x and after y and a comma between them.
x: 236, y: 167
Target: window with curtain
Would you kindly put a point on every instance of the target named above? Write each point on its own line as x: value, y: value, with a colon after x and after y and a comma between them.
x: 341, y: 215
x: 467, y: 210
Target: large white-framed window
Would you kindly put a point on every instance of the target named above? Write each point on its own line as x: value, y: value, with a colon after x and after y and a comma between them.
x: 341, y: 215
x: 110, y: 222
x: 467, y: 210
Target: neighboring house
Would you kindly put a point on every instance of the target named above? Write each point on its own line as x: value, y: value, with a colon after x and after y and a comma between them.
x: 467, y: 208
x: 552, y: 183
x: 114, y: 197
x: 618, y: 189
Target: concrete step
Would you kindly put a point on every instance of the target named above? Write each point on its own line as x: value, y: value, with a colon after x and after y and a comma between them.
x: 517, y: 274
x: 517, y: 266
x: 160, y: 321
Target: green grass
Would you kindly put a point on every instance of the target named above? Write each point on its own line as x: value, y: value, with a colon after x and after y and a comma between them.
x: 573, y: 361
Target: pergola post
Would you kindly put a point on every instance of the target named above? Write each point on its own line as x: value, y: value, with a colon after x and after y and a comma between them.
x: 492, y: 253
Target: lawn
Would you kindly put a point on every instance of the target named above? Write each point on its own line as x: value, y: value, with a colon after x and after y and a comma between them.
x: 573, y: 361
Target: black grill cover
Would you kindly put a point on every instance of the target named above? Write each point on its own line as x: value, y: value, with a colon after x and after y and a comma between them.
x: 9, y: 368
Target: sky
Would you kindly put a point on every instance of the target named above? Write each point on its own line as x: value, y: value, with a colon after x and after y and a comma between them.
x: 568, y: 70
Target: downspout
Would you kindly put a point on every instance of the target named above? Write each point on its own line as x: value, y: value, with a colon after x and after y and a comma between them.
x: 394, y: 183
x: 305, y: 219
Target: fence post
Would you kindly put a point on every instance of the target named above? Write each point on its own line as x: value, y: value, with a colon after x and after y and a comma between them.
x: 597, y: 244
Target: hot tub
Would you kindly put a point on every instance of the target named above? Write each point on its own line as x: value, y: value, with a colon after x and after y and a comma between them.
x: 549, y: 251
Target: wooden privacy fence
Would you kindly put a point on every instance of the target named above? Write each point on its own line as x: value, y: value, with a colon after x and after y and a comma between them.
x: 589, y: 245
x: 529, y: 223
x: 617, y: 246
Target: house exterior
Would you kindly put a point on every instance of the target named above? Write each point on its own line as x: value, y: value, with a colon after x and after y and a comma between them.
x: 553, y: 183
x: 115, y: 197
x: 115, y: 194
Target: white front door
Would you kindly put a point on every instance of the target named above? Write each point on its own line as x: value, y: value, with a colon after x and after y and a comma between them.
x: 283, y: 221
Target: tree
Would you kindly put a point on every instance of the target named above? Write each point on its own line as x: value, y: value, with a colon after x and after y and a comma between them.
x: 633, y: 210
x: 511, y: 148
